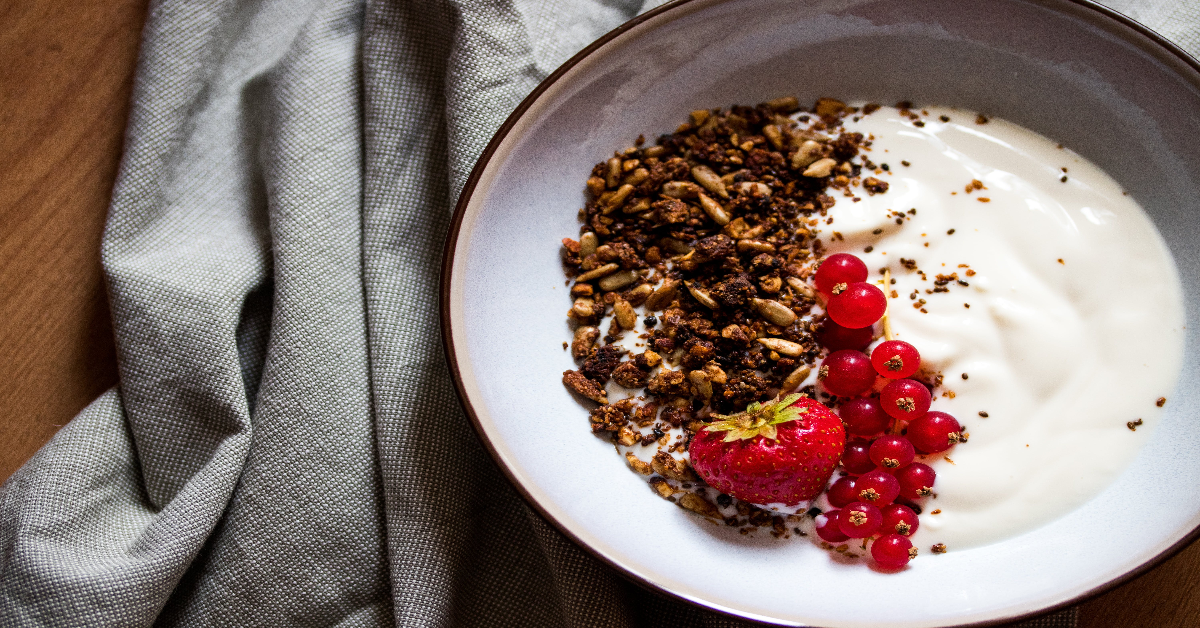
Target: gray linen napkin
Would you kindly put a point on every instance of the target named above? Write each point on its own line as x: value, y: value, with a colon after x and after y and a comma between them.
x: 285, y: 447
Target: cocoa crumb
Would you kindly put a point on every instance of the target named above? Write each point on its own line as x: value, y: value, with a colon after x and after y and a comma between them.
x: 585, y: 387
x: 1160, y: 402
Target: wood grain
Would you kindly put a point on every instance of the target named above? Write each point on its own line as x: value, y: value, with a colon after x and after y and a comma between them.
x: 64, y: 92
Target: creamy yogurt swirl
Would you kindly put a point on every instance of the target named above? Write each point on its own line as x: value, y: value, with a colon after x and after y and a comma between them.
x: 1070, y: 325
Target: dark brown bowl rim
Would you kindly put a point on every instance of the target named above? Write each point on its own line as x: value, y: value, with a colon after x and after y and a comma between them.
x: 448, y: 341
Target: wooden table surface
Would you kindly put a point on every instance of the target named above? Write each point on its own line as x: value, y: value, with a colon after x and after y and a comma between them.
x: 64, y: 91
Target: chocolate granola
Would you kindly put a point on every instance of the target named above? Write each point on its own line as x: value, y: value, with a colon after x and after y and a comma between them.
x: 712, y: 232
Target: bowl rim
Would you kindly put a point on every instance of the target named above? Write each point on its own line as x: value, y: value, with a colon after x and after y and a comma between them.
x: 1153, y: 42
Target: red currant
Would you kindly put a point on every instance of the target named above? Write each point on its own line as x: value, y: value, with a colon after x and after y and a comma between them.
x: 934, y: 432
x: 916, y: 480
x: 847, y: 373
x: 895, y: 359
x: 858, y: 305
x: 905, y: 399
x: 835, y: 337
x: 893, y: 551
x: 877, y: 487
x: 839, y: 268
x: 855, y: 459
x: 864, y: 417
x: 858, y: 520
x: 828, y: 528
x: 892, y: 452
x: 900, y: 519
x: 842, y: 492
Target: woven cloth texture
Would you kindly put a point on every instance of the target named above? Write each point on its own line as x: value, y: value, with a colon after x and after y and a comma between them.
x: 285, y: 447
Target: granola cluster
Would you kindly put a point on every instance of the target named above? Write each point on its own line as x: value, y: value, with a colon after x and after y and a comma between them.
x: 711, y: 232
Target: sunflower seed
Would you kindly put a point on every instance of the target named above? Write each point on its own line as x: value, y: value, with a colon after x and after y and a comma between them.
x: 675, y: 246
x: 808, y: 152
x: 714, y: 210
x: 774, y: 136
x: 618, y: 280
x: 731, y: 178
x: 794, y: 379
x: 639, y: 294
x: 606, y: 269
x: 752, y: 188
x: 775, y: 312
x: 709, y: 179
x: 583, y: 308
x: 797, y: 284
x: 637, y: 176
x: 785, y: 104
x: 640, y: 205
x: 821, y: 168
x: 746, y: 246
x: 613, y: 172
x: 595, y: 185
x: 624, y: 314
x: 702, y: 296
x: 616, y: 198
x: 663, y: 296
x: 587, y: 244
x: 784, y: 347
x: 680, y: 189
x: 829, y: 107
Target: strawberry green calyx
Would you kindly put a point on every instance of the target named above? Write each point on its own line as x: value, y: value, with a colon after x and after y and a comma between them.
x: 759, y: 419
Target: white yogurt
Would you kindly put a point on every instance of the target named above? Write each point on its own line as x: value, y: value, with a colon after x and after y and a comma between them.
x: 1075, y: 324
x: 1060, y: 354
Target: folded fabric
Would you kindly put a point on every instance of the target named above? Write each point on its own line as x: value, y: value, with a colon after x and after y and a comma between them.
x: 285, y: 446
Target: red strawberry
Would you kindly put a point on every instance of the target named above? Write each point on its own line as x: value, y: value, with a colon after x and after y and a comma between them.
x: 778, y: 452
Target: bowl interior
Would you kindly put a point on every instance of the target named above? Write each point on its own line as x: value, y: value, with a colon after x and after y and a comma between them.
x: 1066, y: 70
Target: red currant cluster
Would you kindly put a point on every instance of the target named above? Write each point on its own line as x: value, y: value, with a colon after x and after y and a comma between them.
x: 891, y: 429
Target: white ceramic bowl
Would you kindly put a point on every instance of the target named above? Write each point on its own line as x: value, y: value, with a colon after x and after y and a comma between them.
x: 1098, y: 83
